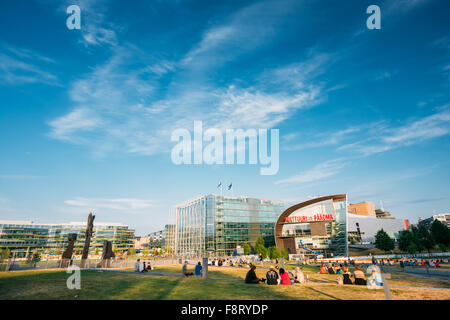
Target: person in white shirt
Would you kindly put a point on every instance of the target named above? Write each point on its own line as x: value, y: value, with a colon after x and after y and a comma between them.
x: 136, y: 265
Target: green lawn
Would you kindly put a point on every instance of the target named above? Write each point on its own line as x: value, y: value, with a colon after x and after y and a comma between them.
x: 51, y: 284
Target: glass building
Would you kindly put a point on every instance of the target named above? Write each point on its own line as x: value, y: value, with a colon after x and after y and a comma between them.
x: 314, y: 227
x: 324, y: 227
x: 24, y: 236
x: 217, y: 224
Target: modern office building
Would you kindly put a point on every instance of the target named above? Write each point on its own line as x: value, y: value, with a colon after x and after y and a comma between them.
x: 157, y: 239
x: 324, y: 226
x: 24, y: 236
x: 217, y: 224
x: 442, y: 217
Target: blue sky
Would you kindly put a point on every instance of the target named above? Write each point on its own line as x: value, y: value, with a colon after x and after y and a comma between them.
x: 86, y: 115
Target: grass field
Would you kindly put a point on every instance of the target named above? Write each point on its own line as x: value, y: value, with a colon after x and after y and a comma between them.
x: 51, y: 284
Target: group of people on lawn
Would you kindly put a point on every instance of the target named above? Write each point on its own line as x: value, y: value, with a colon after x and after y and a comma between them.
x: 273, y: 278
x: 141, y: 266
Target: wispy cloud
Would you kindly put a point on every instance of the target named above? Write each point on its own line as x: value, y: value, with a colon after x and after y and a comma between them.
x: 414, y: 132
x: 123, y: 204
x: 22, y: 66
x: 17, y: 176
x: 122, y: 107
x: 318, y: 172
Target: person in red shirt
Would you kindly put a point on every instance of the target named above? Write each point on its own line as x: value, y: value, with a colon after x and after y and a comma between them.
x: 284, y: 277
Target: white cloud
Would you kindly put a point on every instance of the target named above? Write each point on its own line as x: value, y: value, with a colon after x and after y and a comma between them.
x: 318, y: 172
x: 122, y: 204
x: 412, y: 133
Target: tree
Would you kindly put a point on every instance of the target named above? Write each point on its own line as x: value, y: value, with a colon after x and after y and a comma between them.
x: 425, y: 238
x: 36, y: 257
x: 246, y: 248
x: 416, y: 238
x: 96, y: 251
x: 442, y: 247
x: 383, y: 241
x: 131, y: 252
x: 274, y: 253
x: 440, y: 233
x: 259, y: 247
x: 263, y: 252
x: 285, y: 254
x: 412, y: 248
x: 6, y: 253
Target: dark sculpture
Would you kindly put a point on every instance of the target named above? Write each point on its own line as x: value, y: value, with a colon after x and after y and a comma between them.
x: 67, y: 254
x: 87, y: 240
x: 107, y: 254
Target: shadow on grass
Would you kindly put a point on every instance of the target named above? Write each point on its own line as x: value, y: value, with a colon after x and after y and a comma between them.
x: 325, y: 294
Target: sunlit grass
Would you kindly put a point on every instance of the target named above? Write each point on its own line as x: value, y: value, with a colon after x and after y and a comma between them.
x: 47, y: 284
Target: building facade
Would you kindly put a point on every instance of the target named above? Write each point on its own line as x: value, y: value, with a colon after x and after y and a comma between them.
x: 217, y: 225
x: 442, y: 217
x: 22, y: 237
x: 324, y: 226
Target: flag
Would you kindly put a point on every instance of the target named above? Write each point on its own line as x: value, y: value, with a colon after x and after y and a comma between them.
x: 229, y: 187
x: 219, y: 184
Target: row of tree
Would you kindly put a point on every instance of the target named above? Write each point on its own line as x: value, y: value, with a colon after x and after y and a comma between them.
x: 416, y: 239
x: 260, y: 248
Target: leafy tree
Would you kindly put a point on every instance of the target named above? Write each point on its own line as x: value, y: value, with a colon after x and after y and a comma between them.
x: 246, y: 248
x: 274, y: 253
x: 6, y: 253
x: 416, y: 238
x: 146, y: 251
x: 96, y: 251
x: 285, y: 254
x: 131, y: 252
x: 260, y: 248
x: 36, y: 257
x: 440, y: 233
x: 264, y: 252
x: 412, y: 248
x: 383, y: 241
x: 442, y: 247
x: 425, y: 238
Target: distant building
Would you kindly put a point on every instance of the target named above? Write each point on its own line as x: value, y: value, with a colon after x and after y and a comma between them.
x: 326, y: 226
x: 363, y: 209
x: 442, y: 217
x: 157, y: 239
x: 22, y: 237
x: 383, y: 214
x: 141, y: 242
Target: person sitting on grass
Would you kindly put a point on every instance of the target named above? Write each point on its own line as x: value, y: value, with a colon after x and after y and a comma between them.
x: 142, y: 267
x: 285, y: 280
x: 360, y: 278
x: 299, y: 275
x: 198, y: 269
x: 338, y: 270
x: 272, y: 277
x: 136, y: 265
x: 346, y: 276
x: 251, y: 276
x: 331, y: 269
x: 323, y: 270
x: 149, y: 266
x: 184, y: 270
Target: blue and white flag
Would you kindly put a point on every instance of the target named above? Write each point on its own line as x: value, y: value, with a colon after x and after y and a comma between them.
x: 219, y: 184
x: 229, y: 187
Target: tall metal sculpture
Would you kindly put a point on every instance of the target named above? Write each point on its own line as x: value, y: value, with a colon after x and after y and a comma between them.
x: 67, y: 254
x: 107, y: 254
x: 87, y: 240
